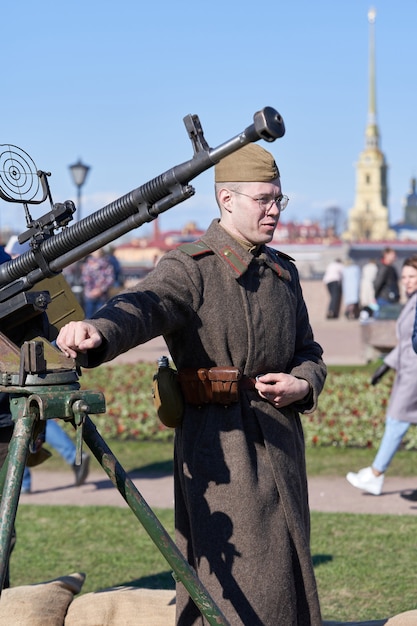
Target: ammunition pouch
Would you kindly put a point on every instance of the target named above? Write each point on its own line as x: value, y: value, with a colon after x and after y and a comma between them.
x: 214, y: 385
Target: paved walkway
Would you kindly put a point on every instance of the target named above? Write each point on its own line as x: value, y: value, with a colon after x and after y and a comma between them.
x: 341, y: 341
x: 326, y: 494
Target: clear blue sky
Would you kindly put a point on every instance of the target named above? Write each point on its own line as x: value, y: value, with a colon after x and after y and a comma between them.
x: 110, y: 83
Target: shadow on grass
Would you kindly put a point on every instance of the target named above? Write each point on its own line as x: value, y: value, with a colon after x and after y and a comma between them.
x: 159, y: 468
x: 321, y: 559
x: 163, y: 580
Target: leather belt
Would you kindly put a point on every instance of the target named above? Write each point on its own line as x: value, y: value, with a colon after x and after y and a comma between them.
x: 247, y: 383
x: 214, y: 385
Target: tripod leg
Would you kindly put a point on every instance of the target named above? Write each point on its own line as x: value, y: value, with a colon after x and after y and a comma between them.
x: 10, y: 484
x: 183, y: 571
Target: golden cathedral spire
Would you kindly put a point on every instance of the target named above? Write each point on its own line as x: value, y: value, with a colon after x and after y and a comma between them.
x: 372, y: 133
x: 369, y: 219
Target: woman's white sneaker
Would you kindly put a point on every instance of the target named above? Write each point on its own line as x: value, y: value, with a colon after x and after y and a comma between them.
x: 365, y: 479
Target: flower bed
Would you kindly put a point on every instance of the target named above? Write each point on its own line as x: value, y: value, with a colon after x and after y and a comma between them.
x: 351, y: 411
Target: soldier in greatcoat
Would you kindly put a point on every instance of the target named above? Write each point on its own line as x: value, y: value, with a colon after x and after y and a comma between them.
x: 232, y: 313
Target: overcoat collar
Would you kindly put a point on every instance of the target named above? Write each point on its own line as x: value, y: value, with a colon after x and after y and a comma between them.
x: 236, y: 257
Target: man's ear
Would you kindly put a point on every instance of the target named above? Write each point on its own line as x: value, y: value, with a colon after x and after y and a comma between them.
x: 225, y: 197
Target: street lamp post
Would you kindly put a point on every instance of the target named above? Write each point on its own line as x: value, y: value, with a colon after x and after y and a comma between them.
x: 79, y: 173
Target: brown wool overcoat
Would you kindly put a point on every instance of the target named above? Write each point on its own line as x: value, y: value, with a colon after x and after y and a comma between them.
x: 242, y: 516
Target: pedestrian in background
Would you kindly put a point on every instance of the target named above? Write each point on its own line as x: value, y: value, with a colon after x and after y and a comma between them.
x: 57, y: 438
x: 414, y: 336
x: 402, y: 406
x: 350, y: 288
x: 118, y: 271
x: 97, y: 276
x: 386, y: 285
x: 72, y: 274
x: 333, y: 280
x: 367, y: 287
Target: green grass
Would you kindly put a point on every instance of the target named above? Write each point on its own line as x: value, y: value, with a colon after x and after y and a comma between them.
x: 134, y: 456
x: 108, y: 544
x: 333, y: 461
x: 364, y: 563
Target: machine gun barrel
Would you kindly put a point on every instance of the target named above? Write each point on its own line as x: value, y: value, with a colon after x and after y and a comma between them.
x: 132, y: 210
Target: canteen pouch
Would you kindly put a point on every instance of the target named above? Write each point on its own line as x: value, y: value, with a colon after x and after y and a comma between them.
x: 167, y: 397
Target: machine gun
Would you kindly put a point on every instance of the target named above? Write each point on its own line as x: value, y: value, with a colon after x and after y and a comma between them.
x: 51, y: 252
x: 41, y: 382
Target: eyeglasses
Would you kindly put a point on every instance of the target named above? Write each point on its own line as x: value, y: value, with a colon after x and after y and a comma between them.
x: 266, y: 202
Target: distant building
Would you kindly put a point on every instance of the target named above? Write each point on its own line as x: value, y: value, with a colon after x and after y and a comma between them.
x: 368, y: 220
x: 297, y: 232
x: 410, y: 206
x: 406, y: 230
x: 141, y: 255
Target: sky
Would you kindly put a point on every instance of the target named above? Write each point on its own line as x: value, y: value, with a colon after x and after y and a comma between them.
x: 110, y: 83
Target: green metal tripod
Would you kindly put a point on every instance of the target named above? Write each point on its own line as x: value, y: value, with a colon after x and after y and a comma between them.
x: 42, y: 387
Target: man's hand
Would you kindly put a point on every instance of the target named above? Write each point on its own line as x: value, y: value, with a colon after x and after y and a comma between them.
x: 78, y: 337
x: 281, y: 389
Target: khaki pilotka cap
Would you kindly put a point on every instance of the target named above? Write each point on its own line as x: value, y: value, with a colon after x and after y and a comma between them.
x: 250, y: 164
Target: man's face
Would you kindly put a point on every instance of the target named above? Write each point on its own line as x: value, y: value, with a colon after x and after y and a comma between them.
x: 247, y: 218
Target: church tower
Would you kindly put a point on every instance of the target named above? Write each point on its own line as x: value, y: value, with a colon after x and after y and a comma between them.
x: 369, y: 218
x: 410, y: 206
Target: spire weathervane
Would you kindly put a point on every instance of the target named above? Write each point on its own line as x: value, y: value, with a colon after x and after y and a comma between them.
x: 371, y: 15
x: 372, y: 134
